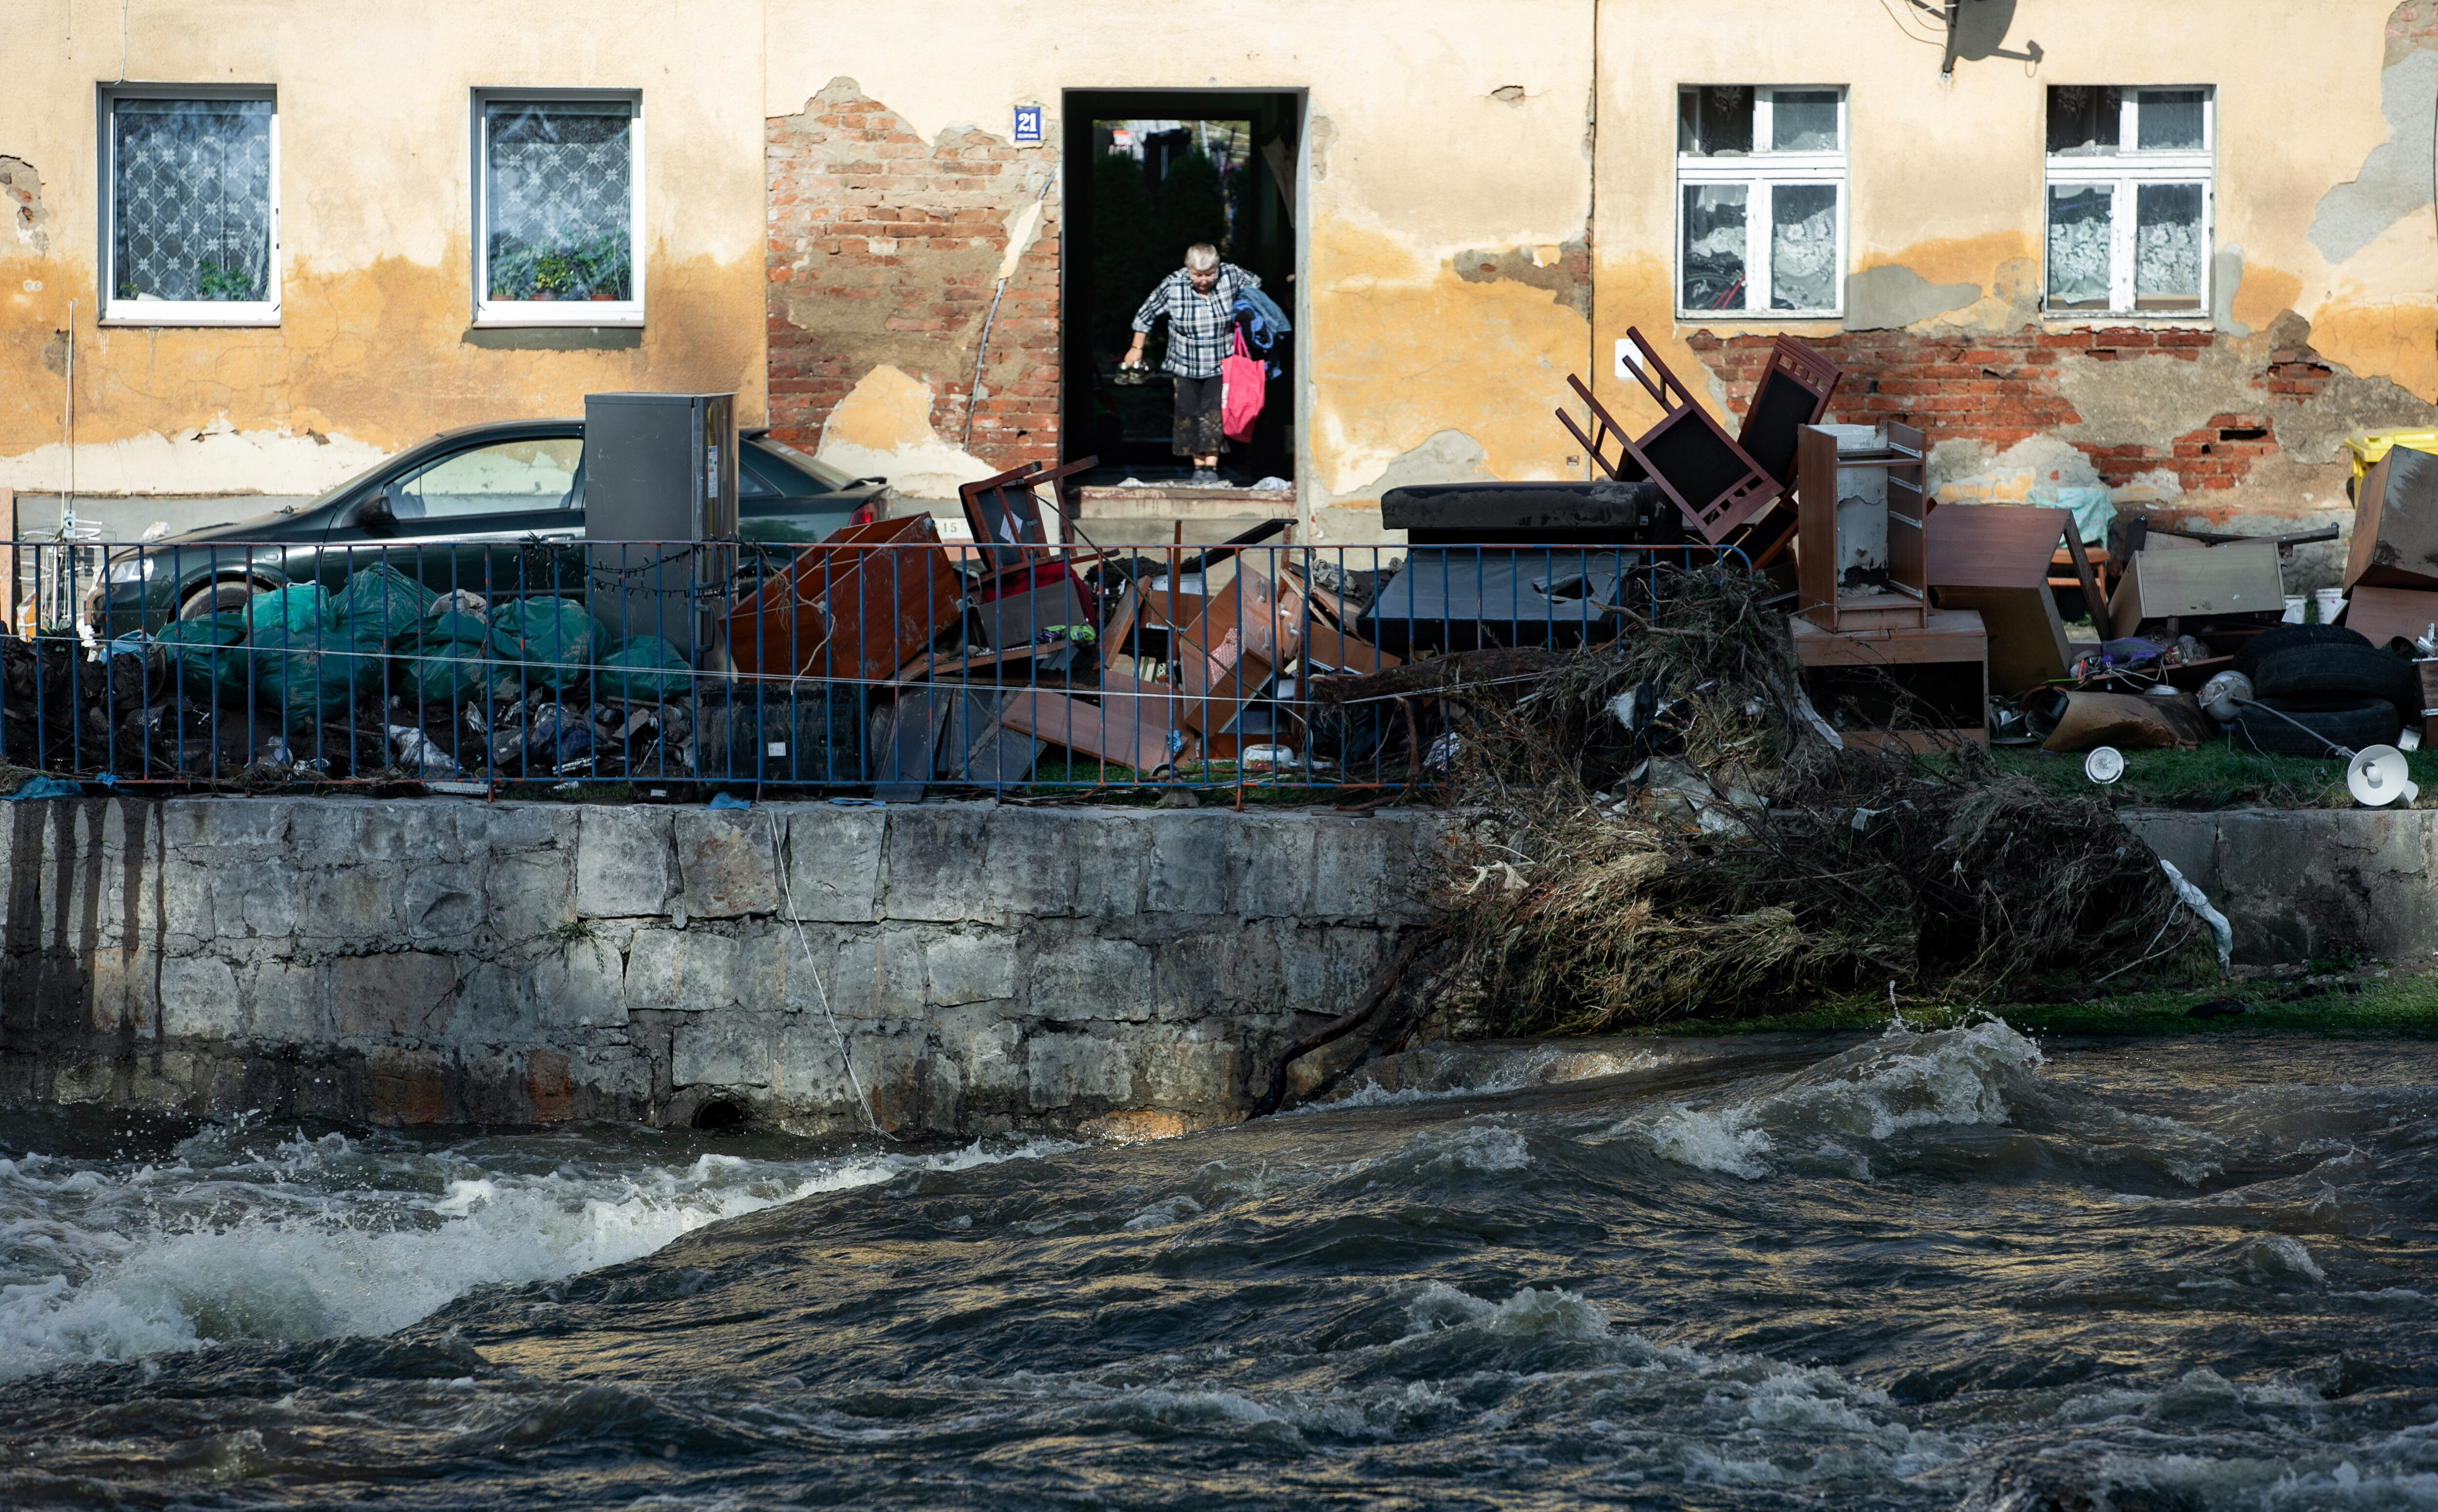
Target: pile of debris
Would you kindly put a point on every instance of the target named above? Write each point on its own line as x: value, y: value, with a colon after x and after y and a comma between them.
x: 1667, y: 827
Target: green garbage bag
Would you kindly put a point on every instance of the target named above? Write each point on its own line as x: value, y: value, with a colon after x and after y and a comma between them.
x: 545, y: 642
x: 201, y: 652
x: 445, y: 661
x: 643, y: 667
x: 314, y: 671
x: 298, y: 606
x: 382, y: 603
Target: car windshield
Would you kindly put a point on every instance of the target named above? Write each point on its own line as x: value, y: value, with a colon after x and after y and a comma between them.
x: 830, y: 477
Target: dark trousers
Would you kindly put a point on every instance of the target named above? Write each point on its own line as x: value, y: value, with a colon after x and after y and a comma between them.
x: 1199, y: 432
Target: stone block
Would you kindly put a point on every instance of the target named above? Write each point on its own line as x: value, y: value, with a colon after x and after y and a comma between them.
x: 405, y: 1086
x: 1080, y: 977
x: 1028, y: 867
x: 1112, y: 857
x: 1186, y: 1065
x: 834, y: 862
x: 985, y: 1047
x: 549, y: 1087
x: 273, y: 896
x: 626, y: 861
x: 1188, y: 870
x: 258, y: 824
x: 933, y: 859
x: 352, y: 904
x: 1064, y: 1069
x: 199, y: 998
x: 1270, y: 866
x: 810, y: 1071
x: 962, y: 967
x: 440, y: 901
x: 412, y: 833
x: 530, y: 892
x: 1234, y: 971
x: 581, y: 983
x: 283, y: 1000
x: 495, y: 1005
x: 1350, y: 865
x: 1136, y: 1126
x: 121, y: 995
x: 735, y: 1049
x: 727, y: 863
x: 686, y: 970
x: 406, y: 994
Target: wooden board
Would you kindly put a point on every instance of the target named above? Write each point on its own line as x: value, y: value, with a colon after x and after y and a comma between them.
x: 2381, y: 613
x: 858, y: 605
x: 1993, y: 546
x: 1130, y: 726
x: 2027, y: 644
x: 2395, y: 523
x: 2242, y: 580
x: 1325, y: 645
x: 1948, y: 635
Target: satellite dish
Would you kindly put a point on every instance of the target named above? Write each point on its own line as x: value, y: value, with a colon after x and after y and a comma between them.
x: 2105, y: 764
x: 2378, y: 776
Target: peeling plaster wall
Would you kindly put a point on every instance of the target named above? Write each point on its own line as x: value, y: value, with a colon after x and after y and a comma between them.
x: 2325, y: 261
x: 372, y: 352
x: 1445, y: 194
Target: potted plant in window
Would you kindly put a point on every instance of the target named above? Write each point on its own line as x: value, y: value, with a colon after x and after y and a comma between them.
x: 601, y: 266
x: 553, y: 276
x: 512, y: 272
x: 217, y: 281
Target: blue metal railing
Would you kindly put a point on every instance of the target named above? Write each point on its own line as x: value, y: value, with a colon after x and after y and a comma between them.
x: 865, y: 667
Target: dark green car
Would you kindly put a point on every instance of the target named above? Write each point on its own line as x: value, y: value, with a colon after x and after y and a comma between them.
x: 495, y: 509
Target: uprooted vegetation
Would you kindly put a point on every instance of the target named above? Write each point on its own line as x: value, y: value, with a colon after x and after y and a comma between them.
x: 1665, y: 832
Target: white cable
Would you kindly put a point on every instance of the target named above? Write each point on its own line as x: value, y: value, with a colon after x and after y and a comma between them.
x: 787, y: 894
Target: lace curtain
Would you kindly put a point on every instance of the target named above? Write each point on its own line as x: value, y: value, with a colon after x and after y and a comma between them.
x: 558, y: 200
x: 2167, y: 246
x: 190, y: 199
x: 2080, y: 230
x: 1803, y: 247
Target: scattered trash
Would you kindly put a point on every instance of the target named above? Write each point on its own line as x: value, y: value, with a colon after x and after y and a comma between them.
x: 722, y: 800
x: 2105, y: 764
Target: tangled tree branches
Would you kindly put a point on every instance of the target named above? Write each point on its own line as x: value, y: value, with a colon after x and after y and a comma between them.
x: 1667, y: 832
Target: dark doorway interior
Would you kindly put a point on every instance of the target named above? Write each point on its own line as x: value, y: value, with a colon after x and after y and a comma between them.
x: 1145, y: 169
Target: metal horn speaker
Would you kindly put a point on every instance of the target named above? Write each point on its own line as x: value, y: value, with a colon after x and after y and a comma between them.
x: 2378, y: 776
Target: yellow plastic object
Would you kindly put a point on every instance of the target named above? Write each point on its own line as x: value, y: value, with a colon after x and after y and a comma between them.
x: 2368, y: 446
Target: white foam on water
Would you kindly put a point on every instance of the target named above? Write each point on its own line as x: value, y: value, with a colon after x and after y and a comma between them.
x: 308, y: 1243
x: 1483, y: 1149
x: 1952, y: 1076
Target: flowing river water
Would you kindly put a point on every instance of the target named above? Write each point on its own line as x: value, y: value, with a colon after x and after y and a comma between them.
x: 1954, y: 1269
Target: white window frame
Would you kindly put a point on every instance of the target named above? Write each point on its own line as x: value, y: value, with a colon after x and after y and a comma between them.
x: 2124, y: 174
x: 1762, y: 170
x: 528, y: 312
x: 117, y: 311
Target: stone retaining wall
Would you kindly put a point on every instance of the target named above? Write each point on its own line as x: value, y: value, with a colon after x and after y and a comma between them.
x: 2312, y: 883
x: 989, y: 967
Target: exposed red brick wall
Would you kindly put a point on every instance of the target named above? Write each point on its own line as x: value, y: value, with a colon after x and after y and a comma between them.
x: 882, y: 249
x: 1998, y: 390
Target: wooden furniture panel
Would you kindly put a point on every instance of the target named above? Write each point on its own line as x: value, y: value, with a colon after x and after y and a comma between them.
x: 858, y: 605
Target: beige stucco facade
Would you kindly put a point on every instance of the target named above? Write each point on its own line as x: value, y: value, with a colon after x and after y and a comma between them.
x: 373, y: 348
x: 1485, y: 201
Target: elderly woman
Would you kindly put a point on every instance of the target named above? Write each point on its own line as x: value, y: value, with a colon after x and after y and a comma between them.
x: 1199, y: 300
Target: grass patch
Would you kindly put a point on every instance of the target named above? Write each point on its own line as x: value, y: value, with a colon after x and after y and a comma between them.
x: 2214, y: 777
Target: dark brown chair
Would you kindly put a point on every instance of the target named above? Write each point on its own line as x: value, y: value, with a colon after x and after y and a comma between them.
x: 1706, y: 475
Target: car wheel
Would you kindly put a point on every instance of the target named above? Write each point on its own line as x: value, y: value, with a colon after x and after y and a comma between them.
x: 2365, y: 722
x: 204, y: 602
x: 2336, y: 675
x: 2287, y: 637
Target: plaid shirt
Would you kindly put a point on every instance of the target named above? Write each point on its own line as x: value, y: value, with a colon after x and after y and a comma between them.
x: 1197, y: 324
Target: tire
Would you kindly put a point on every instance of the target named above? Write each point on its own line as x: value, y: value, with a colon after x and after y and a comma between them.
x: 212, y: 600
x: 2282, y: 637
x: 2331, y: 675
x: 2366, y: 721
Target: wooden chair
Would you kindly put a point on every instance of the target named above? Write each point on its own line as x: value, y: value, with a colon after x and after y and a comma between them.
x: 1793, y: 392
x: 1709, y: 477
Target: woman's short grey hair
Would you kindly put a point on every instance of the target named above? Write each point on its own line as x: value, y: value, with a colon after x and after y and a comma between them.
x: 1201, y: 257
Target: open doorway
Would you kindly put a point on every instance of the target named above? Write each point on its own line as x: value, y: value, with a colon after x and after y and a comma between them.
x: 1148, y: 173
